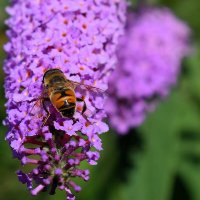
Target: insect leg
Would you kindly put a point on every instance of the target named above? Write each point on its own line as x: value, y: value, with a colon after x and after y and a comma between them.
x: 84, y: 105
x: 28, y: 101
x: 46, y: 110
x: 84, y: 109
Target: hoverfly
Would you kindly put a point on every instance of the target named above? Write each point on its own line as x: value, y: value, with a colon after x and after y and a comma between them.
x: 60, y: 92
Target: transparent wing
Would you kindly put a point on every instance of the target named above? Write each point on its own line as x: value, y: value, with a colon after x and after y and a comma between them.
x: 88, y: 87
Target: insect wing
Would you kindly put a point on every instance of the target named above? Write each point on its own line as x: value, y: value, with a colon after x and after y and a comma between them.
x: 88, y: 87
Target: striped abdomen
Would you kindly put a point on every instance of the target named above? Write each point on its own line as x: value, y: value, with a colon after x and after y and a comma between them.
x: 64, y: 100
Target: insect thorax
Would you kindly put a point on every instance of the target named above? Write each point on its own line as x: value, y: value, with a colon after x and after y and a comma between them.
x: 54, y: 77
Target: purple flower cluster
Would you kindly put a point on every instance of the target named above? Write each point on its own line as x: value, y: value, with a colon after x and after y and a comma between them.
x: 80, y: 38
x: 149, y: 60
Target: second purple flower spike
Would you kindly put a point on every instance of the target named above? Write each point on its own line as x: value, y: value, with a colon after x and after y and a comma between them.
x: 149, y: 61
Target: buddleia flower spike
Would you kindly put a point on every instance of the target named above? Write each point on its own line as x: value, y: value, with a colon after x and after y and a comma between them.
x: 79, y: 38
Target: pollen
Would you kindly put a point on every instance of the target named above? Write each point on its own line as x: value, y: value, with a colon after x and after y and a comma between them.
x: 95, y: 83
x: 26, y: 93
x: 79, y: 108
x: 64, y: 34
x: 82, y: 68
x: 93, y: 140
x: 44, y: 69
x: 87, y: 124
x: 35, y: 79
x: 28, y: 74
x: 65, y: 22
x: 59, y: 49
x: 84, y: 26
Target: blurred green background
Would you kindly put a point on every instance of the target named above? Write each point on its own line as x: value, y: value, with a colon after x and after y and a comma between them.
x: 158, y: 161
